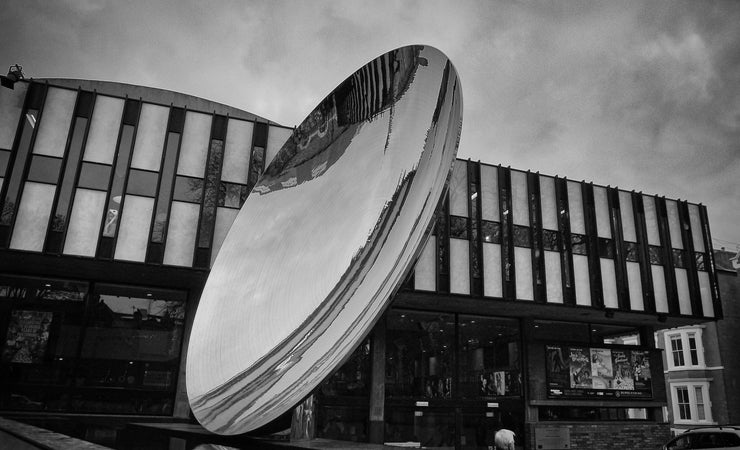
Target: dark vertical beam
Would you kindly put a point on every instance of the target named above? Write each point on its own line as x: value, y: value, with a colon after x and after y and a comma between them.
x: 592, y: 245
x: 620, y: 261
x: 211, y: 185
x: 443, y: 245
x: 535, y: 224
x: 377, y: 380
x: 474, y: 230
x: 20, y: 159
x: 643, y: 249
x: 697, y: 308
x: 507, y: 234
x: 716, y: 301
x: 566, y: 250
x: 668, y: 267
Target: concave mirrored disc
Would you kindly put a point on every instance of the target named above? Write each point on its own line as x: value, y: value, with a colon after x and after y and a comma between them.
x: 324, y: 239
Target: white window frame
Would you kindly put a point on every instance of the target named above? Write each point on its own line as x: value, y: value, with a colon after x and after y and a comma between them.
x: 683, y: 335
x: 693, y: 406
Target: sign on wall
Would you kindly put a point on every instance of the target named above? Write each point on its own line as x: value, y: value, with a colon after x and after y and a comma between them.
x: 590, y: 373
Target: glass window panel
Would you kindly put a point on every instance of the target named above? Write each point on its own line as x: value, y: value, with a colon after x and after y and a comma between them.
x: 44, y: 169
x: 141, y: 182
x: 236, y: 153
x: 55, y: 122
x: 458, y: 227
x: 547, y: 202
x: 705, y: 291
x: 697, y: 233
x: 230, y: 195
x: 519, y: 203
x: 490, y: 360
x: 614, y: 335
x: 551, y: 240
x: 656, y: 255
x: 659, y: 289
x: 94, y: 176
x: 165, y: 187
x: 555, y: 331
x: 575, y: 208
x: 603, y: 224
x: 553, y: 277
x: 522, y: 236
x: 459, y: 266
x: 677, y: 351
x: 135, y: 224
x: 692, y: 349
x: 11, y: 108
x: 276, y: 137
x: 651, y: 220
x: 104, y: 126
x: 682, y: 289
x: 352, y: 379
x: 419, y: 354
x: 578, y: 243
x: 183, y: 225
x: 84, y: 223
x: 628, y: 216
x: 459, y: 189
x: 674, y: 224
x: 699, y: 394
x: 491, y: 231
x: 119, y: 179
x: 194, y: 150
x: 684, y: 404
x: 523, y: 273
x: 489, y: 193
x: 150, y: 136
x: 425, y: 275
x: 582, y: 280
x: 679, y: 258
x: 492, y: 283
x: 41, y: 289
x: 14, y: 184
x: 700, y: 260
x: 73, y: 158
x: 30, y: 227
x: 188, y: 189
x: 256, y: 165
x: 609, y: 282
x: 631, y: 252
x: 634, y: 283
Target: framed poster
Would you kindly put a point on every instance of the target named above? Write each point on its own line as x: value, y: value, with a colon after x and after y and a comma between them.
x: 594, y: 372
x: 28, y: 336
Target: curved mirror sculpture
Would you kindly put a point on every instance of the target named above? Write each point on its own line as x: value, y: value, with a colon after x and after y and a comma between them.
x: 324, y: 239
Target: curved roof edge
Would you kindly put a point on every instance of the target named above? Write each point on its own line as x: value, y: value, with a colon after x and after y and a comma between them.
x: 155, y: 95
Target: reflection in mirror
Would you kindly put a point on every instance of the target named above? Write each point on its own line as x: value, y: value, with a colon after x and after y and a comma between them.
x: 326, y: 236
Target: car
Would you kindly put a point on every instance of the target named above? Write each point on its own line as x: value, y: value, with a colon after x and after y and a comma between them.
x: 719, y: 437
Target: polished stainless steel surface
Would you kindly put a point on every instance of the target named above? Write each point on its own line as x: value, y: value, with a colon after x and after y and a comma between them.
x: 324, y: 239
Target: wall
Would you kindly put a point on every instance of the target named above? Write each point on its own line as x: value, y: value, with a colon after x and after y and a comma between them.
x: 612, y: 436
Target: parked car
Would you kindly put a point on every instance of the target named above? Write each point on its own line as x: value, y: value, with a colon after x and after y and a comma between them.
x: 724, y: 437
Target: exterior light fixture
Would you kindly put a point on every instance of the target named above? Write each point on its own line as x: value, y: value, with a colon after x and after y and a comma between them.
x: 15, y: 73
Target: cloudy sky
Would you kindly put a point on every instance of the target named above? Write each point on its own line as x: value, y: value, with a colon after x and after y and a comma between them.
x: 640, y: 95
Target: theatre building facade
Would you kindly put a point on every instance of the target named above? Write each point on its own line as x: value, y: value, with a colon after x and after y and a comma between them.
x: 532, y: 305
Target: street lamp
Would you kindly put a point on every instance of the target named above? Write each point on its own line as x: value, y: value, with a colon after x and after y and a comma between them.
x: 15, y: 73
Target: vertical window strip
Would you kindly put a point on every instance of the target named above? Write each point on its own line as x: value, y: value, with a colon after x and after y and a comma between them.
x: 443, y: 244
x: 620, y: 262
x: 476, y: 247
x: 668, y: 266
x: 693, y: 351
x: 716, y: 303
x: 677, y: 351
x: 119, y: 178
x: 646, y: 275
x: 700, y: 411
x: 535, y: 224
x: 507, y: 240
x: 566, y: 255
x: 684, y: 404
x: 72, y: 161
x: 688, y: 244
x: 170, y: 157
x: 594, y: 265
x: 20, y: 159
